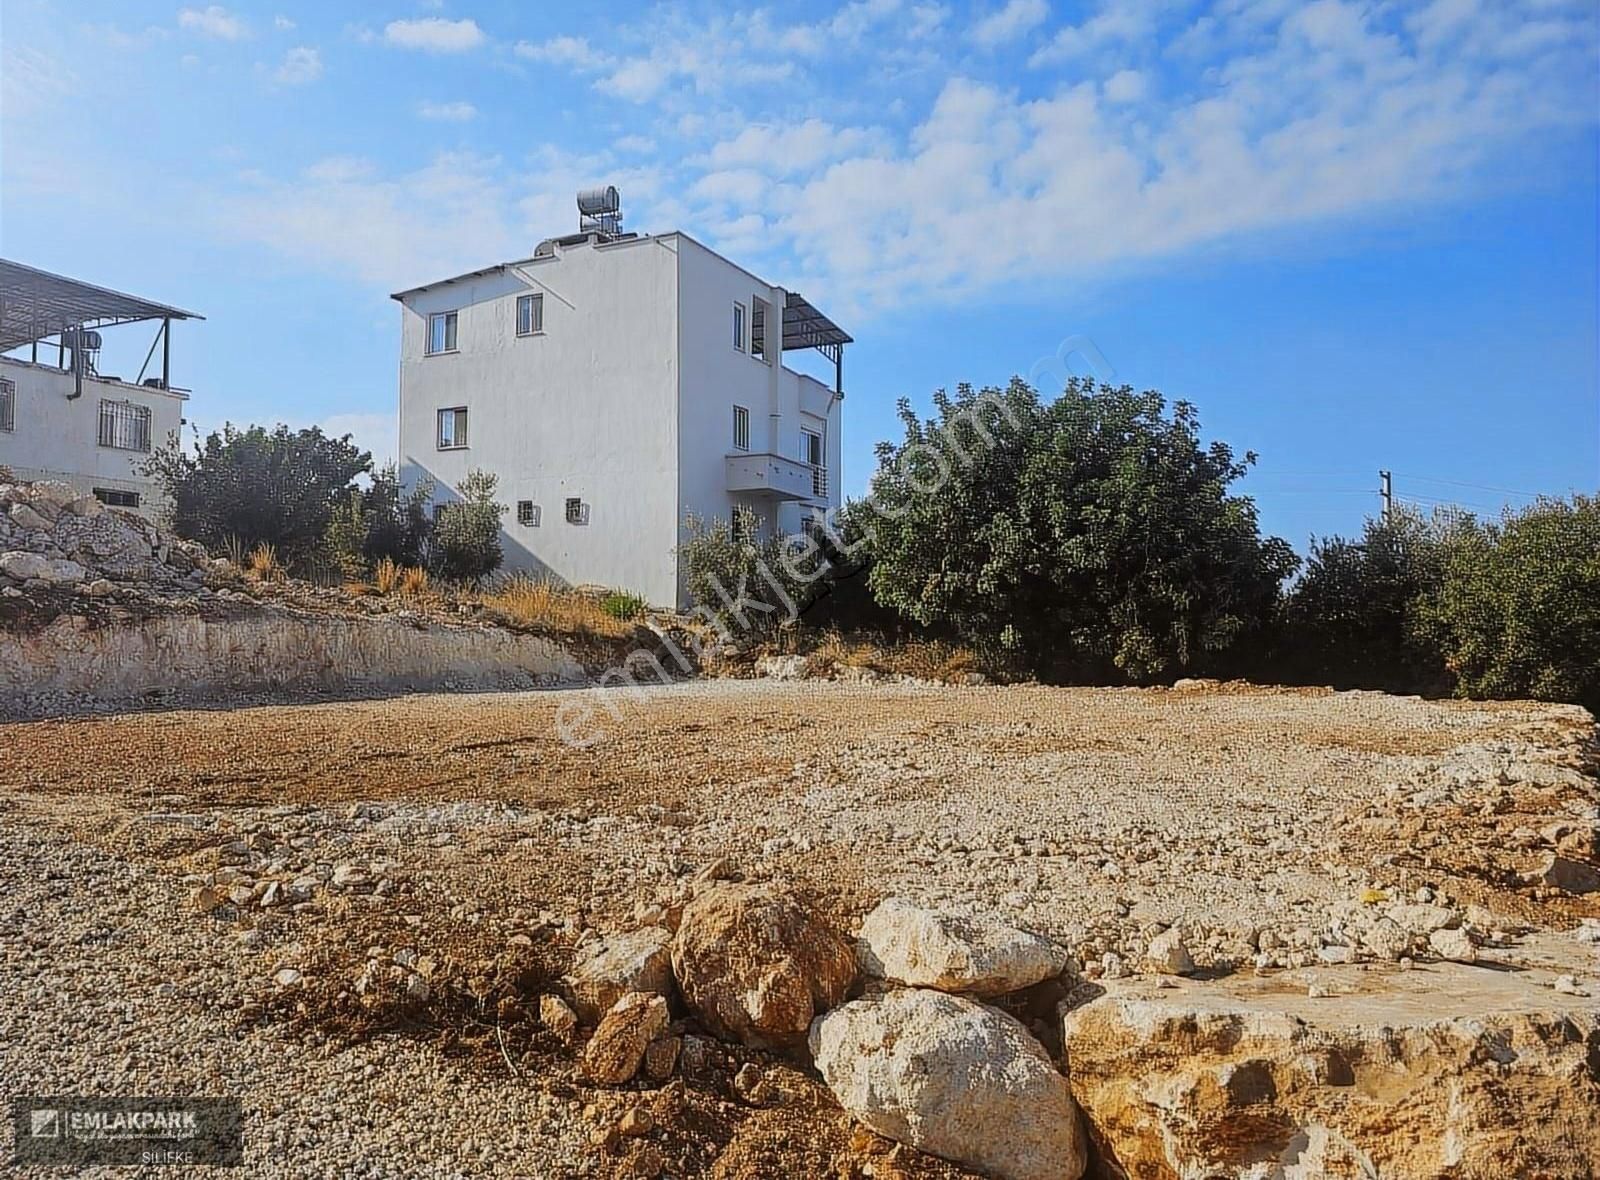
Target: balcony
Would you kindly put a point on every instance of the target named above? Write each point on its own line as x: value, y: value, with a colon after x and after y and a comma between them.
x: 776, y: 476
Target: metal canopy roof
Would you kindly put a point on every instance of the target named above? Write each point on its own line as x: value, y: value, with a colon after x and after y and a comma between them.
x: 806, y: 327
x: 35, y: 304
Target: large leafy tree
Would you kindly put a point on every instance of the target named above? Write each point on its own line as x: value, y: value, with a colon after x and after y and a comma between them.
x: 1095, y: 535
x: 254, y: 485
x: 1515, y: 610
x: 1351, y: 619
x: 466, y: 537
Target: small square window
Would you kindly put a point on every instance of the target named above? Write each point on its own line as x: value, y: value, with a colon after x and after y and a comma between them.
x: 741, y: 428
x: 530, y: 315
x: 528, y: 514
x: 738, y: 326
x: 442, y: 332
x: 577, y: 511
x: 453, y: 428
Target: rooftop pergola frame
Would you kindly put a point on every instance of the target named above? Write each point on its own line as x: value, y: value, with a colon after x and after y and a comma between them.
x: 806, y: 327
x: 37, y: 306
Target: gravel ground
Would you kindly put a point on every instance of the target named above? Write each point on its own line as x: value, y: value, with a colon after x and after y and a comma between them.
x: 1259, y: 821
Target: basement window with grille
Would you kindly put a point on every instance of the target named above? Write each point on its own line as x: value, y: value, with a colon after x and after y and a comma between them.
x: 577, y: 511
x: 528, y: 514
x: 116, y: 498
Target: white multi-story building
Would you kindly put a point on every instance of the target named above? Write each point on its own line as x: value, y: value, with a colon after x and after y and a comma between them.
x: 62, y: 418
x: 616, y: 384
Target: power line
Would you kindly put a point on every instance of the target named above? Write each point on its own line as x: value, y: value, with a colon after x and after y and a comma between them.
x: 1459, y: 483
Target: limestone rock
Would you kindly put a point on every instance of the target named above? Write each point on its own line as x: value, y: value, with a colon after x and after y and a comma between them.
x: 955, y: 1078
x: 1168, y: 953
x: 756, y: 967
x: 1453, y: 944
x: 1566, y: 874
x: 22, y: 565
x: 639, y: 961
x: 920, y: 947
x: 557, y: 1016
x: 615, y: 1052
x: 27, y: 519
x: 1448, y: 1072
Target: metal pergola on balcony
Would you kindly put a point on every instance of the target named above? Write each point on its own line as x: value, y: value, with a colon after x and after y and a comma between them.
x: 37, y: 306
x: 806, y: 327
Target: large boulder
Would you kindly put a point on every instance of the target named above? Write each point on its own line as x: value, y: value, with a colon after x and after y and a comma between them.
x: 955, y: 1078
x: 1451, y: 1071
x: 906, y: 943
x: 640, y: 961
x: 755, y: 966
x: 615, y: 1052
x: 22, y: 565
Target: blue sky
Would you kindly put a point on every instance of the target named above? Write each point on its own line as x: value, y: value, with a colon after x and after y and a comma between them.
x: 1355, y: 235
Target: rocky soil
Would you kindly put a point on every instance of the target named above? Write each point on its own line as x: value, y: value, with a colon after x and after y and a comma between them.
x: 424, y: 936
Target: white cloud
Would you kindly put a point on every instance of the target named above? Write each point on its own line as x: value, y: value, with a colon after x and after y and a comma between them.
x: 282, y: 23
x: 1124, y: 86
x: 575, y: 53
x: 434, y: 34
x: 1016, y: 19
x: 1117, y: 22
x: 634, y: 144
x: 214, y: 21
x: 447, y: 112
x: 300, y: 65
x: 786, y: 150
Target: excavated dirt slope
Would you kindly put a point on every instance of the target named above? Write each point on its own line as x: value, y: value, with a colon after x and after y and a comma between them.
x: 464, y: 828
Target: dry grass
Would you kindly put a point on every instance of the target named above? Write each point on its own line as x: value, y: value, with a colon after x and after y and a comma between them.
x: 386, y: 576
x: 534, y: 603
x: 924, y: 659
x: 413, y: 581
x: 263, y: 564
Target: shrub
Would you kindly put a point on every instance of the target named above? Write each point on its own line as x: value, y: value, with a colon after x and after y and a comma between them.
x: 1351, y: 619
x: 383, y: 522
x: 1515, y: 611
x: 623, y: 605
x: 746, y: 585
x: 466, y: 535
x: 1093, y: 536
x: 277, y: 487
x: 413, y: 581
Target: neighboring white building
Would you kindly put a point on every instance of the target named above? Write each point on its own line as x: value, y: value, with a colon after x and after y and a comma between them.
x: 62, y: 419
x: 616, y: 383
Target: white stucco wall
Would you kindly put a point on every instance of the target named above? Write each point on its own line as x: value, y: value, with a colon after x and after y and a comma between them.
x: 625, y: 401
x: 58, y: 437
x: 585, y: 409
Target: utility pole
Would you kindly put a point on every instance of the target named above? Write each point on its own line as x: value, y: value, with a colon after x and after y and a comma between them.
x: 1386, y: 492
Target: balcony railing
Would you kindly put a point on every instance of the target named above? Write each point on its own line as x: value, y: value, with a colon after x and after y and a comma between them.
x: 777, y: 476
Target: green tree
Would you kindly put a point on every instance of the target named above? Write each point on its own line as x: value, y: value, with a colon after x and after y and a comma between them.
x: 1351, y: 619
x: 1093, y: 535
x: 278, y: 487
x: 466, y: 535
x: 1516, y: 608
x: 747, y: 584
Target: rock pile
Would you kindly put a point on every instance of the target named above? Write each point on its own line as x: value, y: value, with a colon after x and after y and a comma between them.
x: 51, y: 537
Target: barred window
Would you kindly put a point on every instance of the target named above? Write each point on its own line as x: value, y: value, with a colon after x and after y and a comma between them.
x: 117, y: 497
x: 577, y: 511
x: 741, y: 428
x: 124, y: 426
x: 528, y: 514
x: 8, y: 405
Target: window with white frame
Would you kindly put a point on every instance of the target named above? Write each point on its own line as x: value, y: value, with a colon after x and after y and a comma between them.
x: 8, y: 405
x: 453, y: 428
x: 124, y: 426
x: 527, y: 514
x: 741, y: 428
x: 441, y: 332
x: 738, y: 327
x: 530, y: 314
